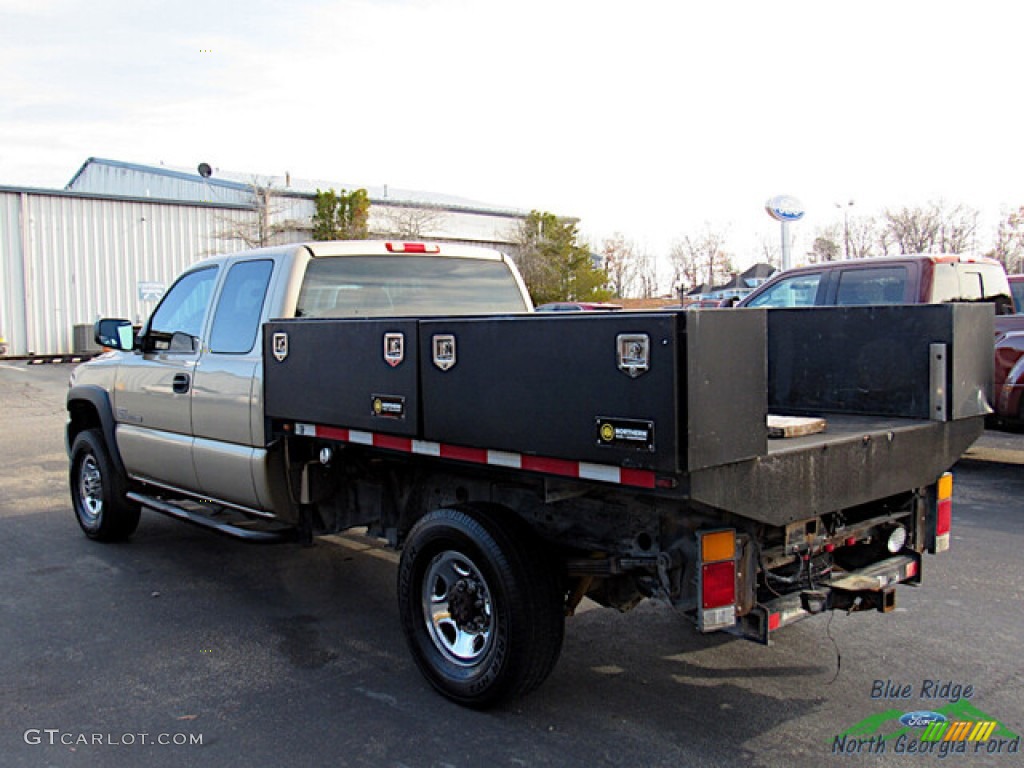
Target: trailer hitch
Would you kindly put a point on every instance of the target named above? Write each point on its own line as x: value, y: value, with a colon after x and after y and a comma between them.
x: 850, y: 600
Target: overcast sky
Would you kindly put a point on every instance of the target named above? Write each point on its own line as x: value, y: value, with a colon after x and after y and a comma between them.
x: 646, y: 118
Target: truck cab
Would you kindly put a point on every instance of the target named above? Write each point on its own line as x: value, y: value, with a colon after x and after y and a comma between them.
x: 908, y: 279
x: 182, y: 400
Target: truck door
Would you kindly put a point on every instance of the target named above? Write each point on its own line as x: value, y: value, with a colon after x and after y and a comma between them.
x: 153, y: 396
x: 227, y: 396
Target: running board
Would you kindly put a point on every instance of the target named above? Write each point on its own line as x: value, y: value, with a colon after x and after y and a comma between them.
x: 267, y: 534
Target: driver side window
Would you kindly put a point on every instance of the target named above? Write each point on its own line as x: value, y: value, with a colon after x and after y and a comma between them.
x: 183, y: 308
x: 796, y: 291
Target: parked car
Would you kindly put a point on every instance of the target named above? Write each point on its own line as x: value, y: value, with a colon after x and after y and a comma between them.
x: 577, y: 306
x: 908, y: 279
x: 1008, y: 374
x: 706, y: 304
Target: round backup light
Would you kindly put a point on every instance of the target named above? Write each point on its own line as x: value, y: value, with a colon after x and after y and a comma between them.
x: 897, y: 539
x: 326, y: 454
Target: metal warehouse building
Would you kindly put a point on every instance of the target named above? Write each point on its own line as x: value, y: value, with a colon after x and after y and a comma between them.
x: 114, y: 239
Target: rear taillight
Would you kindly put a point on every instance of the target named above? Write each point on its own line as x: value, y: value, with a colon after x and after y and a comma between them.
x: 717, y: 579
x: 943, y: 512
x: 719, y: 585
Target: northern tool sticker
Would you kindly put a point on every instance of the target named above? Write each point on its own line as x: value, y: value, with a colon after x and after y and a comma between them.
x: 625, y: 433
x: 388, y: 406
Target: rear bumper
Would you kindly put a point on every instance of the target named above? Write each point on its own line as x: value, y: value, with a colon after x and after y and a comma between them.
x: 870, y: 588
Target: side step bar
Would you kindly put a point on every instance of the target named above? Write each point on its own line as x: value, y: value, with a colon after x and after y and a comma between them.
x: 265, y: 535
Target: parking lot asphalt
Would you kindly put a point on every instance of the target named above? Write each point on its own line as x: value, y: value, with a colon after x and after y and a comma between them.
x: 998, y: 445
x: 277, y: 656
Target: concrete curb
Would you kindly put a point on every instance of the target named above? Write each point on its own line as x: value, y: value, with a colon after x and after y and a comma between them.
x: 994, y: 455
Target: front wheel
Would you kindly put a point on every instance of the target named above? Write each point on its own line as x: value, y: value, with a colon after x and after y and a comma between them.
x: 482, y: 609
x: 98, y: 490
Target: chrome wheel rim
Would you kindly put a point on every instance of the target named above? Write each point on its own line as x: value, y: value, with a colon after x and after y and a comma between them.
x: 458, y: 609
x: 90, y: 489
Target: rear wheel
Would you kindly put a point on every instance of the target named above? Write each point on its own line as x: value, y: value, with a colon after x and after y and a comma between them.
x: 482, y: 609
x: 98, y: 490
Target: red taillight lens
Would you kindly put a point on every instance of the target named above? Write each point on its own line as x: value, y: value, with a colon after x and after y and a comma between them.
x: 718, y: 584
x: 944, y: 517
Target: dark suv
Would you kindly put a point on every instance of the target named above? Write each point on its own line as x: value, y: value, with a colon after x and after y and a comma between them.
x: 917, y: 279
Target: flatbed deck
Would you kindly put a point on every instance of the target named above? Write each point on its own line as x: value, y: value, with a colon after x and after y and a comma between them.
x: 856, y: 460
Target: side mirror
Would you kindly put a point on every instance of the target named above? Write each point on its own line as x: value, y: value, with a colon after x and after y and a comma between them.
x: 114, y: 333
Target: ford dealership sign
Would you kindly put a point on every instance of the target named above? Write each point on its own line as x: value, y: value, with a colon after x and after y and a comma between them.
x: 785, y: 208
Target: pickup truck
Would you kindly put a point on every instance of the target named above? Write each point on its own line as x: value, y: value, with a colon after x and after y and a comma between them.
x: 907, y: 279
x: 525, y: 461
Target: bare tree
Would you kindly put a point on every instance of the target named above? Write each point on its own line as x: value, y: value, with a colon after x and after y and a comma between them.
x: 827, y: 244
x: 935, y: 227
x: 620, y: 262
x: 266, y: 226
x: 700, y: 258
x: 862, y: 235
x: 771, y: 251
x: 410, y: 221
x: 957, y: 228
x: 914, y: 230
x: 646, y: 277
x: 1009, y: 242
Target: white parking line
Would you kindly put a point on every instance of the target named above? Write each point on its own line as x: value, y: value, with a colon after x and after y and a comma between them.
x: 12, y: 368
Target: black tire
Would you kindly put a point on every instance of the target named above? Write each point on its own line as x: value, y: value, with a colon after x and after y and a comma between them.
x: 98, y: 491
x: 482, y: 608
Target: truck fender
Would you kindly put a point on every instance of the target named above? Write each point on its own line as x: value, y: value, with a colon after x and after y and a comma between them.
x: 89, y: 406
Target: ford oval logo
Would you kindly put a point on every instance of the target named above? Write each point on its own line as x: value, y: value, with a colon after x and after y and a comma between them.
x: 785, y: 208
x: 922, y: 718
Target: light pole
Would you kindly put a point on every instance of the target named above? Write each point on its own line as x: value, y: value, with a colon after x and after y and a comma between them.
x: 846, y: 227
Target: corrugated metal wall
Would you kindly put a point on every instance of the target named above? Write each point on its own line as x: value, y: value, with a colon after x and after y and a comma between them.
x: 67, y: 260
x: 12, y: 295
x: 110, y: 178
x: 69, y: 257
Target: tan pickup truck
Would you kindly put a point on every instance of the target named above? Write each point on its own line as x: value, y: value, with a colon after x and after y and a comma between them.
x: 524, y: 461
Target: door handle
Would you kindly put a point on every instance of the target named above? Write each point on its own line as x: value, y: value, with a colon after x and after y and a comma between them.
x: 181, y: 383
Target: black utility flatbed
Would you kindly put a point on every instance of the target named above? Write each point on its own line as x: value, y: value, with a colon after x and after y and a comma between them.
x: 856, y: 460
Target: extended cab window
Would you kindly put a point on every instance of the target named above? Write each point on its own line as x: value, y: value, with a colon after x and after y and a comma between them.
x: 237, y: 318
x: 183, y: 308
x: 795, y: 291
x: 380, y: 286
x: 884, y: 285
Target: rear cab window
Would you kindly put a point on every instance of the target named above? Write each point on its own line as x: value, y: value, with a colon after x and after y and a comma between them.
x: 236, y: 321
x: 873, y: 285
x: 378, y: 286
